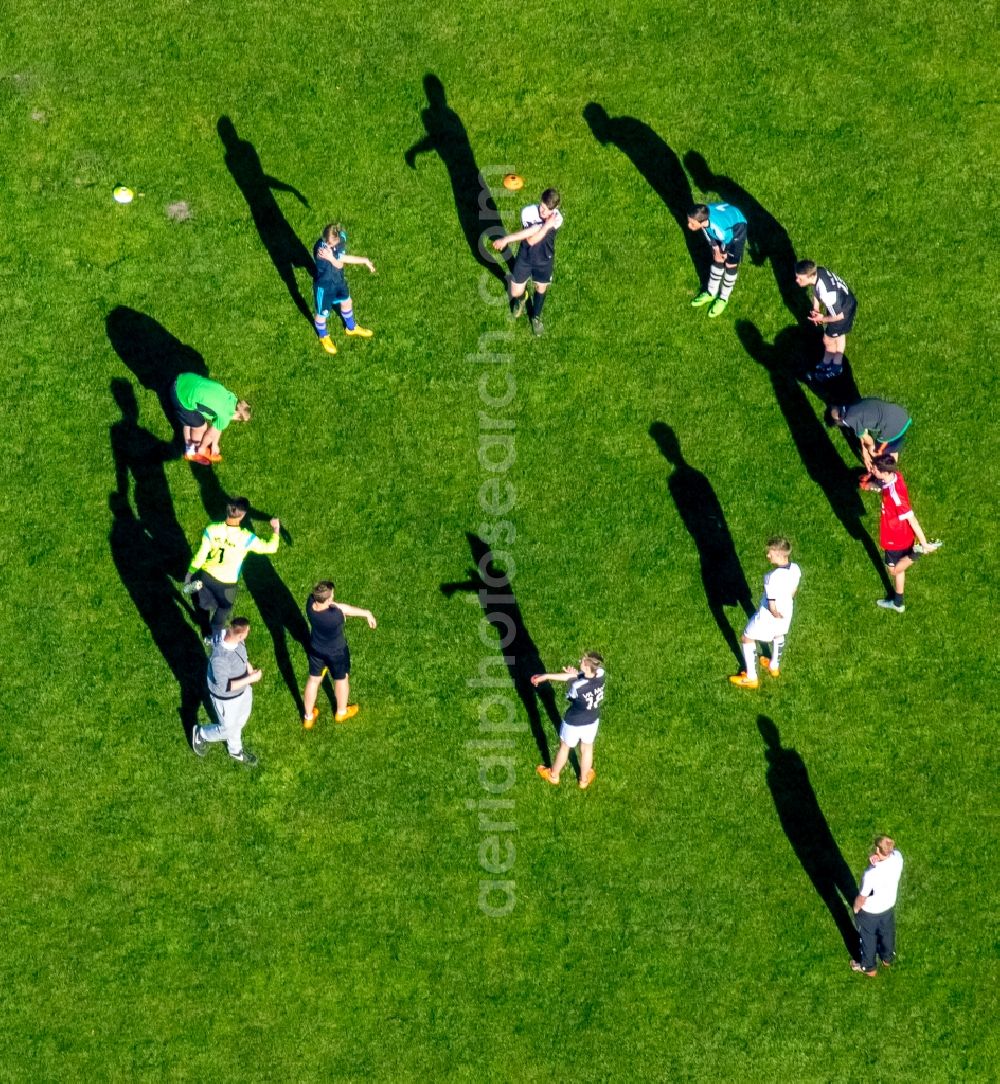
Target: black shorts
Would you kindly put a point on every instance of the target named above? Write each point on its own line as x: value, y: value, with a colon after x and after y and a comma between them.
x: 527, y: 267
x: 893, y: 557
x: 192, y: 418
x: 339, y: 664
x: 842, y: 327
x: 734, y: 250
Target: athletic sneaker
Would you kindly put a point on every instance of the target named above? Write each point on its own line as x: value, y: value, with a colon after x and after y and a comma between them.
x: 244, y: 757
x: 537, y: 327
x: 891, y: 604
x: 196, y: 457
x: 743, y: 681
x: 192, y: 587
x: 348, y: 713
x: 328, y: 344
x: 546, y: 774
x: 198, y: 743
x: 310, y: 720
x: 213, y: 457
x: 517, y: 309
x: 359, y: 331
x: 855, y: 966
x: 588, y: 779
x: 702, y: 299
x: 766, y: 667
x: 717, y: 308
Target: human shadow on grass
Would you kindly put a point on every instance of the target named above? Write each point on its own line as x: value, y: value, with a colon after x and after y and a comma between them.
x: 817, y: 451
x: 722, y: 574
x: 155, y: 356
x: 282, y: 243
x: 808, y: 832
x: 477, y: 211
x: 151, y: 554
x: 767, y: 239
x: 660, y: 167
x: 278, y: 609
x: 491, y: 587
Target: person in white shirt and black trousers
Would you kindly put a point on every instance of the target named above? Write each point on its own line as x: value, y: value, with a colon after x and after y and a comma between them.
x: 875, y: 906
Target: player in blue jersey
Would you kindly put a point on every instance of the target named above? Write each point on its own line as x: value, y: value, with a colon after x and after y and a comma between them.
x: 579, y: 726
x: 535, y: 255
x: 726, y: 231
x: 330, y: 284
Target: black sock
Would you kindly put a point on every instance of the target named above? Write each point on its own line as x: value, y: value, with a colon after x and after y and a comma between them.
x: 837, y: 360
x: 897, y: 597
x: 537, y: 301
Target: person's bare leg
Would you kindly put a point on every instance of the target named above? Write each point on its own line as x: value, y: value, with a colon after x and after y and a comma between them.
x: 560, y: 762
x: 309, y: 696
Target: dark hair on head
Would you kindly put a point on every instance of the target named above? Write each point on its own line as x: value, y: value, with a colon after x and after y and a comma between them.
x: 238, y: 624
x: 805, y: 267
x: 551, y: 198
x: 237, y: 506
x: 886, y: 463
x: 323, y: 590
x: 699, y: 212
x: 331, y: 232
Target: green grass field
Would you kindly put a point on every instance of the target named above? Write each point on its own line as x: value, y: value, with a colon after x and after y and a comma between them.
x: 320, y: 918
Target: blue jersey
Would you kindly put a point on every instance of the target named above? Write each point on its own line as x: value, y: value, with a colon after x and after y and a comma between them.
x: 328, y: 276
x: 722, y: 220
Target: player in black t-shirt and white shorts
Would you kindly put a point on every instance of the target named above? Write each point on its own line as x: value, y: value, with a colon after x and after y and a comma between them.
x: 535, y: 256
x: 832, y: 293
x: 579, y: 726
x: 328, y: 652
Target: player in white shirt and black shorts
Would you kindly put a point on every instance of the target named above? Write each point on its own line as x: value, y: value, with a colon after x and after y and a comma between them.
x: 535, y: 256
x: 770, y: 624
x: 579, y: 726
x: 832, y: 293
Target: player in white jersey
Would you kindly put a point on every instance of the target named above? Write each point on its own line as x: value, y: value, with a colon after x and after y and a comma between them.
x: 770, y: 624
x: 830, y: 292
x: 535, y: 256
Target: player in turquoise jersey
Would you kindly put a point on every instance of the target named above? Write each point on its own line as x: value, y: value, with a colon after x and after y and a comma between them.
x: 204, y: 408
x: 726, y: 231
x: 219, y: 560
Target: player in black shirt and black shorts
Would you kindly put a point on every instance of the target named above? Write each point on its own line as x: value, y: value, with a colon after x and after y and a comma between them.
x: 328, y: 651
x: 579, y: 726
x: 535, y: 256
x: 832, y: 293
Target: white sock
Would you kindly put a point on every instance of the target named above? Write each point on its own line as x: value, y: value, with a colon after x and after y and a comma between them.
x: 777, y: 644
x: 714, y: 279
x: 728, y: 282
x: 750, y: 660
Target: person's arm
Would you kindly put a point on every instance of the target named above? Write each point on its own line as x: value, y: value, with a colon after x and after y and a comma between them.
x: 532, y: 234
x: 258, y: 545
x: 362, y: 261
x: 568, y: 673
x: 251, y: 677
x: 917, y: 529
x: 200, y: 557
x: 357, y: 611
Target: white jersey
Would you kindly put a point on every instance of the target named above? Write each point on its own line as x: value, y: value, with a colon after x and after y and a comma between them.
x: 780, y: 585
x: 880, y: 884
x: 544, y: 252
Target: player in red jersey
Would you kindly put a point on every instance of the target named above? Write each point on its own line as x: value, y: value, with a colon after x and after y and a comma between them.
x: 900, y: 534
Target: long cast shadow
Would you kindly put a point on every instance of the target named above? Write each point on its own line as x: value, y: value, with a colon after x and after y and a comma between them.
x: 722, y: 574
x: 767, y: 239
x: 275, y: 603
x: 150, y: 552
x: 660, y: 167
x: 495, y: 594
x: 155, y: 356
x: 808, y: 832
x: 817, y: 451
x: 477, y: 211
x: 282, y: 243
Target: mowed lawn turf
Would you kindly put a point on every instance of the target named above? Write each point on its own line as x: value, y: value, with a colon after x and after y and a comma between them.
x: 320, y: 918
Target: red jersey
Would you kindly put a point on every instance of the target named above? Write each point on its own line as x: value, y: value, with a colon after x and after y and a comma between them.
x: 894, y: 532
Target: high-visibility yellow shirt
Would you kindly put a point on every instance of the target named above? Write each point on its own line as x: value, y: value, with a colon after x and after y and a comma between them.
x: 223, y: 549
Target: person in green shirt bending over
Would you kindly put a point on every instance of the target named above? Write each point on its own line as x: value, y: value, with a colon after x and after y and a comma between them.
x: 204, y: 408
x: 214, y: 571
